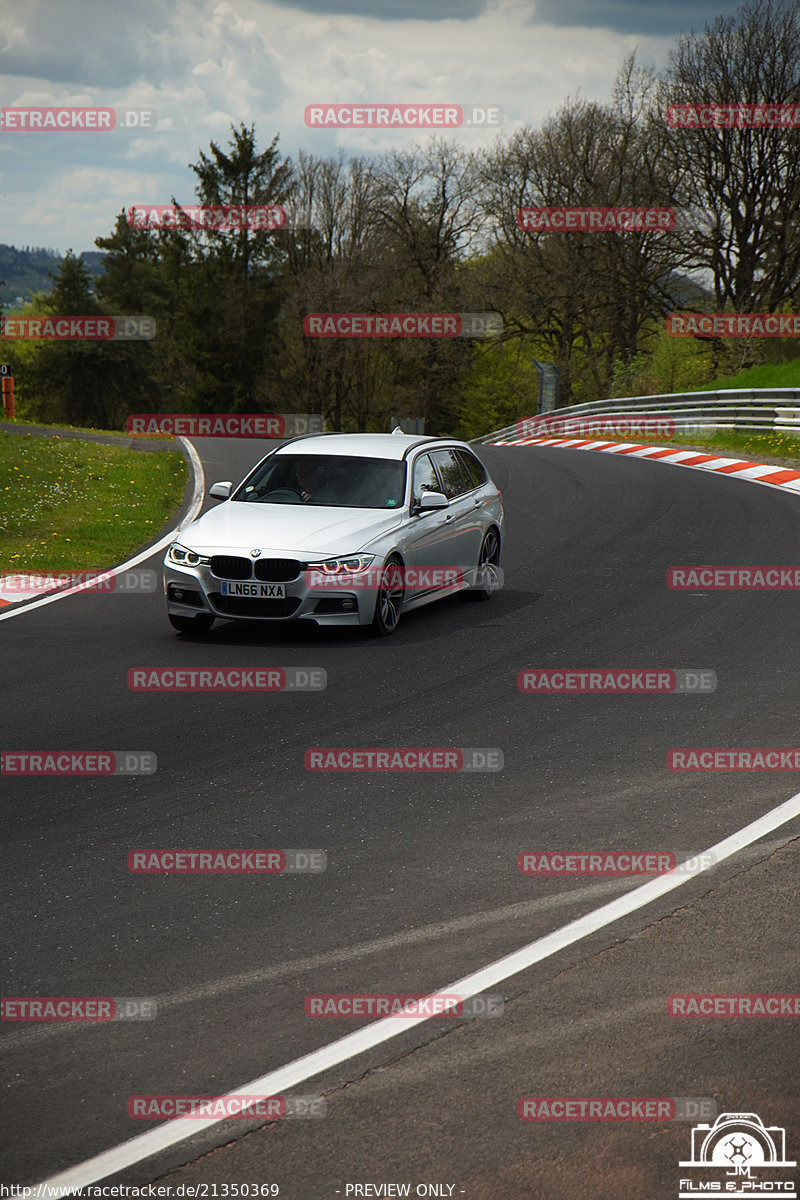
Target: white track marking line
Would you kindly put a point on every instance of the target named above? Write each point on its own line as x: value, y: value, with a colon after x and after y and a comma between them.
x: 407, y: 940
x: 194, y: 507
x: 129, y: 1153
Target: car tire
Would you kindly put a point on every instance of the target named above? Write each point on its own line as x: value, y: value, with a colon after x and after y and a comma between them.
x: 199, y: 624
x: 487, y: 574
x: 389, y: 600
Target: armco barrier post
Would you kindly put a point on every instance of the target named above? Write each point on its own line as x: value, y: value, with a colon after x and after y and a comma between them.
x: 8, y: 396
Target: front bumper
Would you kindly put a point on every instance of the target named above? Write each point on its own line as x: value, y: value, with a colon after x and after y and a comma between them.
x: 192, y: 590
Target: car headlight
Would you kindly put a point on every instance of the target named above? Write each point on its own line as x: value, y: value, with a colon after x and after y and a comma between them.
x: 186, y: 558
x: 351, y: 565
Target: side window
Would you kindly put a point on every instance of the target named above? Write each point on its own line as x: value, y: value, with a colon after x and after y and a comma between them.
x: 425, y: 479
x: 473, y: 468
x: 453, y: 481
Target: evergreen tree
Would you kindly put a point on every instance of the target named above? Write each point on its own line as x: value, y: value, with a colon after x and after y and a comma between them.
x: 233, y: 305
x: 81, y: 382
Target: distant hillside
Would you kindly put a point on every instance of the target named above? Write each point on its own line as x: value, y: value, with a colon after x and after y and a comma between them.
x: 25, y: 271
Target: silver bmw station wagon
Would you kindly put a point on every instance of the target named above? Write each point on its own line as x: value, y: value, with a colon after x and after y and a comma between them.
x: 340, y: 529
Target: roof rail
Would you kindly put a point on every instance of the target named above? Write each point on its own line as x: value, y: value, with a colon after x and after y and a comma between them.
x: 421, y: 440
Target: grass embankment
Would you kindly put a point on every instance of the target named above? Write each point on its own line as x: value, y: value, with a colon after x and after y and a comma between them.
x: 765, y: 447
x: 67, y: 504
x: 769, y: 375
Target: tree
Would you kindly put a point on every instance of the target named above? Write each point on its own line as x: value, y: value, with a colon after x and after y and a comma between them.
x: 430, y: 219
x: 333, y: 257
x: 233, y: 306
x: 583, y: 299
x: 741, y: 185
x: 80, y: 382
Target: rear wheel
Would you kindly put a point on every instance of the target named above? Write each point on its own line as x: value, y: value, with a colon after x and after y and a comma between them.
x: 199, y: 624
x: 389, y: 601
x: 487, y: 576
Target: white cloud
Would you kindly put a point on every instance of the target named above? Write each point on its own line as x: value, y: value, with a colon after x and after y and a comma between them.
x: 206, y: 64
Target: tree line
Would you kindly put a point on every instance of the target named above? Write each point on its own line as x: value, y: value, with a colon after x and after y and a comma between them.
x: 435, y: 229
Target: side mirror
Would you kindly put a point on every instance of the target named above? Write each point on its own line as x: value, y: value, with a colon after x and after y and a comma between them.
x: 221, y: 490
x: 431, y: 502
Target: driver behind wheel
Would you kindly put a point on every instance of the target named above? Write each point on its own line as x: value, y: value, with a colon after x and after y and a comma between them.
x: 313, y: 483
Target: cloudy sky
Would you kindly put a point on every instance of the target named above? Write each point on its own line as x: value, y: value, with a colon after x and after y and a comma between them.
x: 204, y: 64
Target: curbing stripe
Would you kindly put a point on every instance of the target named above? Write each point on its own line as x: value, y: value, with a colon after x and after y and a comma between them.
x: 750, y: 472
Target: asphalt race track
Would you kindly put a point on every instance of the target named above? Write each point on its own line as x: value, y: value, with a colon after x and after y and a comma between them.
x: 421, y: 886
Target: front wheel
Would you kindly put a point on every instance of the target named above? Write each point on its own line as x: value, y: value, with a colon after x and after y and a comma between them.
x: 389, y: 601
x: 199, y: 624
x: 487, y: 576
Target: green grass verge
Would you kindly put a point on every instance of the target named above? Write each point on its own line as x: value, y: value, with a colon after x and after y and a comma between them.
x: 120, y: 433
x: 769, y: 375
x: 69, y: 504
x: 767, y: 445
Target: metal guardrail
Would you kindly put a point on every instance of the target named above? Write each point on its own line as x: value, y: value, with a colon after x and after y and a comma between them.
x: 757, y: 409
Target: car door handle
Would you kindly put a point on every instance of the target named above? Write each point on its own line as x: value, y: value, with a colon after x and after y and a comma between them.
x: 450, y: 517
x: 478, y: 503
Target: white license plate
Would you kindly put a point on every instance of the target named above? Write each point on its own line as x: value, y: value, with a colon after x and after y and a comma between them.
x: 263, y: 591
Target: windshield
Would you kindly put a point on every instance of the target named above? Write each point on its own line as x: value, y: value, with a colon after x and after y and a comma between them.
x: 326, y: 480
